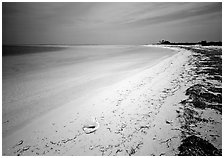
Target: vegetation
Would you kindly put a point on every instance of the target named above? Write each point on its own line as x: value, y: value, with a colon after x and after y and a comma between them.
x: 203, y: 43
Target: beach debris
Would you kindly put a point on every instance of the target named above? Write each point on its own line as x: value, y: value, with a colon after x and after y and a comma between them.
x: 119, y: 150
x: 169, y: 122
x: 20, y: 151
x: 203, y: 107
x: 91, y: 127
x: 25, y: 148
x: 162, y: 154
x: 203, y: 98
x: 7, y: 121
x: 183, y: 101
x: 146, y: 126
x: 199, y: 90
x: 132, y: 152
x: 19, y: 143
x: 91, y: 147
x: 195, y: 146
x: 109, y: 129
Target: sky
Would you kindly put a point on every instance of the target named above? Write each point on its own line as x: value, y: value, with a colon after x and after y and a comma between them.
x: 110, y: 23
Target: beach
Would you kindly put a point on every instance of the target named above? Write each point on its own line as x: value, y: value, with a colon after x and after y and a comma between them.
x: 110, y: 100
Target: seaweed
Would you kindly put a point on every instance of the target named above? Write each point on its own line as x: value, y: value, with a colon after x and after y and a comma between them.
x: 207, y: 67
x: 195, y: 146
x: 201, y: 96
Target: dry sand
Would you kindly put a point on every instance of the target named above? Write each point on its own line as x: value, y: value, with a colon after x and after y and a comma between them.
x: 136, y: 116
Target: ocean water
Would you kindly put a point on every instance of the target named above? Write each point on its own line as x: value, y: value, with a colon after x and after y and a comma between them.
x: 18, y: 60
x: 37, y: 79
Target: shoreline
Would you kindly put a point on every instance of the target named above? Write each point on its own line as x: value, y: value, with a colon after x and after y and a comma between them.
x: 137, y: 116
x: 80, y: 101
x: 52, y: 82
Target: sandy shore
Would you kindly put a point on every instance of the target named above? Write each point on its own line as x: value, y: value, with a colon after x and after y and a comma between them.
x: 36, y: 83
x: 140, y: 115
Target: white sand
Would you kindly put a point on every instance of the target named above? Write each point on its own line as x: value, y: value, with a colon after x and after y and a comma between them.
x: 36, y: 83
x: 137, y: 115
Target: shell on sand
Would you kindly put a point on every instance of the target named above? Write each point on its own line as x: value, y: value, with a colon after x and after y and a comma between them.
x: 90, y: 126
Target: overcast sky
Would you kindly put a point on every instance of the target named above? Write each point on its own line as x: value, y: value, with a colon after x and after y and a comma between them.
x: 110, y: 23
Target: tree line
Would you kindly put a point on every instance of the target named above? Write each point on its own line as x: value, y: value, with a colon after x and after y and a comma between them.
x: 203, y: 43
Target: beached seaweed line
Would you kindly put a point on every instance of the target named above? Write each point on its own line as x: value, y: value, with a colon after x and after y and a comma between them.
x: 200, y: 96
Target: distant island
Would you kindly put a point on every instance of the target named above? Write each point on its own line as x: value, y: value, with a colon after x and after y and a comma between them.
x: 203, y: 43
